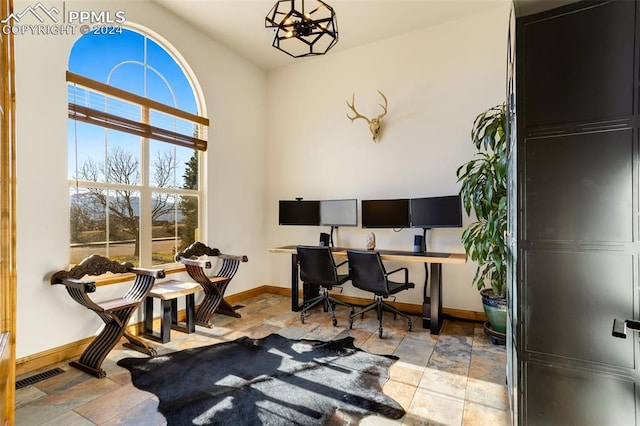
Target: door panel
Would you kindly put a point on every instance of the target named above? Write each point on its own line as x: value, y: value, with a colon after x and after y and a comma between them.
x: 569, y: 301
x: 559, y: 396
x: 580, y: 187
x: 578, y: 68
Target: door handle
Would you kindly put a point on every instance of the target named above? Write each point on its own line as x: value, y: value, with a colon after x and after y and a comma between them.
x: 620, y: 327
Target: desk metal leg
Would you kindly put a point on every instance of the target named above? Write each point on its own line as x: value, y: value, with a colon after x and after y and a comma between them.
x: 295, y: 307
x: 436, y: 298
x: 426, y: 300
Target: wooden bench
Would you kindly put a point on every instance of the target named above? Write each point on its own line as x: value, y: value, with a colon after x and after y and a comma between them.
x: 214, y: 286
x: 115, y: 313
x: 168, y: 292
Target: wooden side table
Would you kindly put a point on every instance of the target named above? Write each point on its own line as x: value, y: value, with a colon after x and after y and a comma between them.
x: 169, y: 292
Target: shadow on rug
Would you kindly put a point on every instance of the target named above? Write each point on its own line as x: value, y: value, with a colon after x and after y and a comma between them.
x: 269, y: 381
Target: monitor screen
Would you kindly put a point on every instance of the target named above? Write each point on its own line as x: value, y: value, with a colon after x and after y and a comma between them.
x: 299, y: 212
x: 385, y: 213
x: 339, y: 212
x: 436, y: 212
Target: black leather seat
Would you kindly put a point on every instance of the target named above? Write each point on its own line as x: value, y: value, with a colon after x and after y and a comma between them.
x: 367, y: 272
x: 317, y: 267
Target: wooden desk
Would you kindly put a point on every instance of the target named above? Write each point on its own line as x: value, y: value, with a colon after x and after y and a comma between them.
x: 432, y: 304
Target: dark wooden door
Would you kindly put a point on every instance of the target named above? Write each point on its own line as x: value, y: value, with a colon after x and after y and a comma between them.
x: 574, y: 199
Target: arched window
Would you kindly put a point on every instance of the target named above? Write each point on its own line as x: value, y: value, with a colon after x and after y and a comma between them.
x: 135, y: 137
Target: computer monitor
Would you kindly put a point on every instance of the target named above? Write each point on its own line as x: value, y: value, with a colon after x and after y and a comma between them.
x: 299, y: 212
x: 436, y: 212
x: 339, y: 212
x: 385, y: 213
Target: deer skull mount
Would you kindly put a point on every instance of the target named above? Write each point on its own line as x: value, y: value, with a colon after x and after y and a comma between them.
x: 374, y: 123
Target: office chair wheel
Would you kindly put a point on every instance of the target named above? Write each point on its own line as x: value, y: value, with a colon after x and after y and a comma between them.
x: 302, y: 317
x: 409, y: 324
x: 335, y: 322
x: 380, y: 332
x: 350, y: 323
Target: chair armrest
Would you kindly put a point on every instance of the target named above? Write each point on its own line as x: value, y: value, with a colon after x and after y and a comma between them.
x: 155, y: 273
x: 205, y: 264
x: 78, y: 290
x: 341, y: 263
x: 83, y: 286
x: 241, y: 258
x: 406, y: 273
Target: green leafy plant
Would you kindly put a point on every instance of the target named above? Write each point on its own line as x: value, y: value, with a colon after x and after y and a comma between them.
x: 484, y: 192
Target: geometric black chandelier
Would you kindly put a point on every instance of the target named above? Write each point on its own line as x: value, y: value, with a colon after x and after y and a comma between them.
x: 303, y: 31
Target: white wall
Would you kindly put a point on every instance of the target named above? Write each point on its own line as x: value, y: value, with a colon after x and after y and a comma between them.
x: 234, y: 92
x: 436, y: 80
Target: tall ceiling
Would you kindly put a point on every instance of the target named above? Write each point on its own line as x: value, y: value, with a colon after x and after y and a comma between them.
x: 239, y: 24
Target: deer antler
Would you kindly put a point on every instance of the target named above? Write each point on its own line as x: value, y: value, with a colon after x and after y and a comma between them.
x: 353, y: 108
x: 352, y: 105
x: 384, y: 107
x: 374, y: 123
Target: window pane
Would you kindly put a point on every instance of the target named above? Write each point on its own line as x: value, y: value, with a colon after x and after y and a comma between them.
x: 123, y: 158
x: 87, y: 223
x: 121, y: 109
x: 164, y: 224
x: 96, y: 55
x: 124, y: 226
x: 163, y: 165
x: 170, y: 122
x: 175, y: 225
x: 158, y: 89
x: 173, y: 166
x: 190, y: 175
x: 86, y: 145
x: 128, y: 76
x: 159, y: 59
x: 187, y: 221
x: 84, y: 97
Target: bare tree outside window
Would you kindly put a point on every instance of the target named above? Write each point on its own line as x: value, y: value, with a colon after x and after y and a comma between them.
x: 121, y: 206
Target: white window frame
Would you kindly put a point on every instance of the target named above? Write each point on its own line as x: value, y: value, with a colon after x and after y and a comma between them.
x: 145, y: 189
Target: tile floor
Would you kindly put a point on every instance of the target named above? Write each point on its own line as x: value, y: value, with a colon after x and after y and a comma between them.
x: 456, y: 378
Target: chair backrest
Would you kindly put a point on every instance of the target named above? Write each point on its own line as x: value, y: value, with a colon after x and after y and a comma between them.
x: 196, y: 249
x: 96, y: 265
x: 367, y: 272
x: 195, y: 268
x: 317, y: 265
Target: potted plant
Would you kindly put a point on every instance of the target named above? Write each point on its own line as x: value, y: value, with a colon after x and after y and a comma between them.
x: 484, y: 192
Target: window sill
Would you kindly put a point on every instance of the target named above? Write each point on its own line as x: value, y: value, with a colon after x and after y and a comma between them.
x: 172, y: 268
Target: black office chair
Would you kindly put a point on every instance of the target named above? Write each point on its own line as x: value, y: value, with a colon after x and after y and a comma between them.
x: 368, y: 273
x: 317, y: 267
